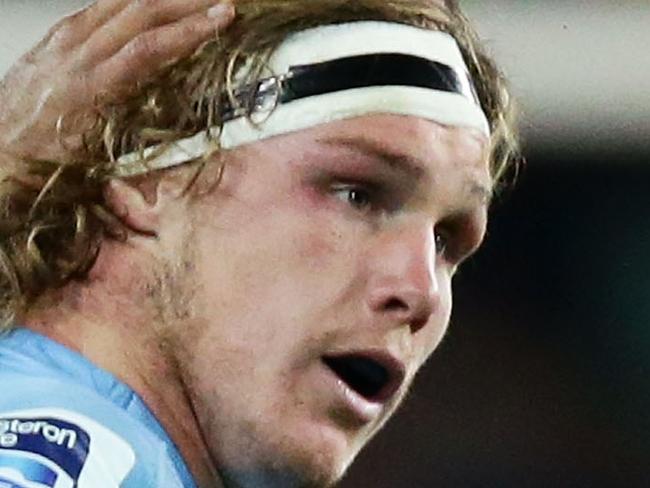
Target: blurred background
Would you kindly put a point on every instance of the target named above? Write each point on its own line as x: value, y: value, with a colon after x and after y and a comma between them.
x: 544, y: 378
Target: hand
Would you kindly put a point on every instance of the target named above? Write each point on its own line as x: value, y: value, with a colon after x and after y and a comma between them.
x: 100, y: 54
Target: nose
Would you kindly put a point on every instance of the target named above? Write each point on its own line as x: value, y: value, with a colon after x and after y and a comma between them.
x: 403, y: 287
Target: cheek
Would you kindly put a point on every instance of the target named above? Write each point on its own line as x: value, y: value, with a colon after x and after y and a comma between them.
x: 272, y: 275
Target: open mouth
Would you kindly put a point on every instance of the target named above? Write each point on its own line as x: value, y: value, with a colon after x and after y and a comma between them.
x: 372, y: 379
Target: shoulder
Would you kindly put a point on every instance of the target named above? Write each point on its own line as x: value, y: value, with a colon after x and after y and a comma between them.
x: 52, y: 429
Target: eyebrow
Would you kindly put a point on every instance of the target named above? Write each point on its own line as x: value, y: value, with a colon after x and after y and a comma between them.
x: 393, y: 160
x: 403, y: 163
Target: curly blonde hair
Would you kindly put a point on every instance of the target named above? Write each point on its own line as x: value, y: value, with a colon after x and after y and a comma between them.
x: 53, y: 216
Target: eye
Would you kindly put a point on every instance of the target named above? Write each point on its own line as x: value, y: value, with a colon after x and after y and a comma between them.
x: 357, y: 196
x: 458, y: 239
x: 442, y: 242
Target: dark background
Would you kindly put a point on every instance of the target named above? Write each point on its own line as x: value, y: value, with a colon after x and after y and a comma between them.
x: 544, y: 378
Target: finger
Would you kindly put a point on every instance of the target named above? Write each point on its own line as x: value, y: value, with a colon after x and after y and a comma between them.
x: 148, y: 53
x: 103, y: 10
x: 77, y: 27
x: 139, y: 17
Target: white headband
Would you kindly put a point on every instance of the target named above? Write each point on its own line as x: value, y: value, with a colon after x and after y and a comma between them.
x: 338, y: 72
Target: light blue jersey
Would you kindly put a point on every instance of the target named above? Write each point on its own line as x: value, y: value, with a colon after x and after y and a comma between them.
x: 65, y: 423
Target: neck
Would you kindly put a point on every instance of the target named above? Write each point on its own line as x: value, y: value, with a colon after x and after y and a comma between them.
x: 138, y: 357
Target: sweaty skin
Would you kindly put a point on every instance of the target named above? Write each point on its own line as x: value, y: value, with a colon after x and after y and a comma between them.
x: 337, y: 239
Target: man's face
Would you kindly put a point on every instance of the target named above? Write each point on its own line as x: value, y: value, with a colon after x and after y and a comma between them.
x: 315, y: 281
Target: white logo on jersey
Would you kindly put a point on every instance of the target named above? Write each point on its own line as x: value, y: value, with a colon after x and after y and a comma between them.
x: 78, y: 450
x: 11, y: 428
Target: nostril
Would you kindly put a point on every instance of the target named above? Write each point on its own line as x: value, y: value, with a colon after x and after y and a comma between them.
x: 400, y: 304
x: 395, y: 304
x: 414, y: 310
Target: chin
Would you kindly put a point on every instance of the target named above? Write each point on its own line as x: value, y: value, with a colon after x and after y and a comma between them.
x: 316, y: 462
x: 282, y: 475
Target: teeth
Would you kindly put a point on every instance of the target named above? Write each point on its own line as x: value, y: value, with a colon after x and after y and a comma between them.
x: 363, y: 375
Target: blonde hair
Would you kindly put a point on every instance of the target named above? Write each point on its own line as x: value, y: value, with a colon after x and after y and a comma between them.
x: 53, y: 216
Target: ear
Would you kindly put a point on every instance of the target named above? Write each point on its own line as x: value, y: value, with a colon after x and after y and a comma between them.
x: 134, y: 209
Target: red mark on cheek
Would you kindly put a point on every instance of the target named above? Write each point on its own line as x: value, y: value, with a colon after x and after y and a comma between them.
x: 311, y: 197
x: 321, y: 242
x: 321, y: 236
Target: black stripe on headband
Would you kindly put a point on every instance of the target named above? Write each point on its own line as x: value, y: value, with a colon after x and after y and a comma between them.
x: 382, y: 69
x: 369, y: 70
